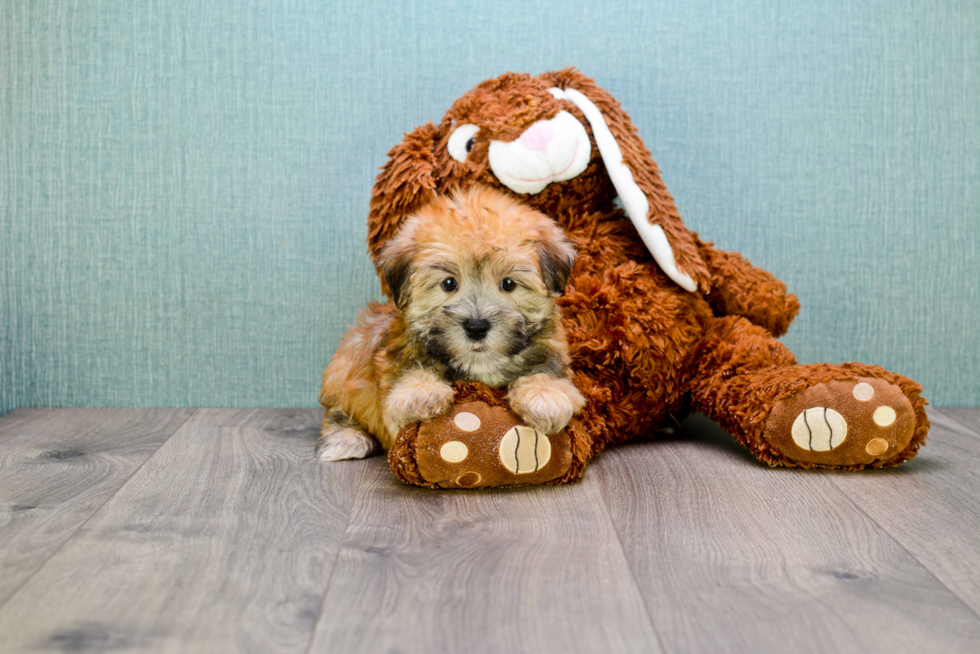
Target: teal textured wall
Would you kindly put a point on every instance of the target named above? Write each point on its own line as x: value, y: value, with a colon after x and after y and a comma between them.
x: 184, y: 185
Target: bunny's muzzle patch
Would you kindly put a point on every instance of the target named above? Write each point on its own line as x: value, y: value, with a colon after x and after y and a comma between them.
x: 548, y: 151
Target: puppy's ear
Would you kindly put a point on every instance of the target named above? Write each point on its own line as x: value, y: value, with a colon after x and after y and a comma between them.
x: 636, y: 178
x: 556, y: 256
x: 405, y: 184
x: 395, y: 263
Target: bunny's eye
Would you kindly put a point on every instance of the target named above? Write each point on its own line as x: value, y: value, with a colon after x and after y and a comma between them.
x: 462, y: 140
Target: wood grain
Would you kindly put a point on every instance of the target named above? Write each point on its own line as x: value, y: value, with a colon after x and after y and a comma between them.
x: 731, y: 555
x: 231, y: 537
x: 57, y: 467
x: 931, y: 505
x: 524, y: 570
x: 968, y: 417
x: 223, y: 541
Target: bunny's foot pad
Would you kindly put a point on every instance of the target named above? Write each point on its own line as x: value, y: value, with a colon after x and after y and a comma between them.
x: 843, y: 423
x: 479, y: 446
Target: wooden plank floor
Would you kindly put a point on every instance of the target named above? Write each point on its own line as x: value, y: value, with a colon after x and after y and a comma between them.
x: 174, y: 530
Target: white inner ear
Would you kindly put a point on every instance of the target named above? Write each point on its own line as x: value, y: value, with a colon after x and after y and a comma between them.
x: 634, y: 200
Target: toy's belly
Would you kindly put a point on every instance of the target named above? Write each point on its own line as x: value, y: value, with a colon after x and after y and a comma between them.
x: 632, y: 332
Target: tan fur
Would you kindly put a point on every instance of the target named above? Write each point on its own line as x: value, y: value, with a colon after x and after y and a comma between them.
x: 545, y: 403
x: 395, y: 367
x: 419, y: 394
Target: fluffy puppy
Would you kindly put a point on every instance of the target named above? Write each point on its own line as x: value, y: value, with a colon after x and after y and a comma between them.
x: 474, y: 279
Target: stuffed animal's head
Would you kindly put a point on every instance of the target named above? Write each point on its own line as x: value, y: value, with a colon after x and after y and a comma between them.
x: 556, y: 142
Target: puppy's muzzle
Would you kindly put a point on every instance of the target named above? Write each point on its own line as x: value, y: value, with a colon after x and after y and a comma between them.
x: 476, y: 328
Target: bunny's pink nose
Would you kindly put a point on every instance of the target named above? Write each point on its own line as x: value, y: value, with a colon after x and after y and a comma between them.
x: 537, y: 136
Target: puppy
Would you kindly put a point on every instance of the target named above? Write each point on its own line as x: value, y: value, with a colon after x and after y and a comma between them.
x: 474, y: 279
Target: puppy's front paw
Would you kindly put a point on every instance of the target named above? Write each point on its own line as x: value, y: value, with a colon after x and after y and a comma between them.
x: 544, y: 402
x: 347, y: 443
x: 418, y: 396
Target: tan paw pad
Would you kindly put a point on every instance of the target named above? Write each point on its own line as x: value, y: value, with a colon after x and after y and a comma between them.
x: 523, y: 450
x: 454, y: 451
x: 469, y: 479
x: 863, y: 391
x: 467, y: 421
x: 884, y: 416
x: 819, y: 429
x: 876, y: 446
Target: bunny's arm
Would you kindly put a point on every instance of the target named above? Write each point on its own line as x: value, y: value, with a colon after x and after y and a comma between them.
x: 740, y: 289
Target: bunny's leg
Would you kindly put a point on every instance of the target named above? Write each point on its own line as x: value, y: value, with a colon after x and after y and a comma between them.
x: 821, y: 415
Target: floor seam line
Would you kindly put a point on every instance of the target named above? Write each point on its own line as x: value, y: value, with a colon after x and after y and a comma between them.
x: 336, y: 558
x: 636, y: 584
x: 968, y: 428
x: 96, y: 511
x: 904, y: 548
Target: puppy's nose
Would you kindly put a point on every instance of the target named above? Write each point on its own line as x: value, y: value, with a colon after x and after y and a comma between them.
x: 476, y: 328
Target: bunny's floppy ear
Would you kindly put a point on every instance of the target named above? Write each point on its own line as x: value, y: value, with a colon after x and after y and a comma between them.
x: 636, y: 178
x: 405, y: 184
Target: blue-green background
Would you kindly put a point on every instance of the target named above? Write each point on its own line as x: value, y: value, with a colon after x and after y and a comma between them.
x: 184, y: 185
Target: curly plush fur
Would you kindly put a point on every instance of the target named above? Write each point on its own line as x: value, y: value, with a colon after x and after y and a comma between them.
x: 644, y: 350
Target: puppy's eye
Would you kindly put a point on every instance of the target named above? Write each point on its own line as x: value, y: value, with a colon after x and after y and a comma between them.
x: 449, y: 284
x: 508, y: 285
x: 462, y: 140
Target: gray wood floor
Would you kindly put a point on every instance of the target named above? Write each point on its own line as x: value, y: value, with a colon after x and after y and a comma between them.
x: 215, y: 530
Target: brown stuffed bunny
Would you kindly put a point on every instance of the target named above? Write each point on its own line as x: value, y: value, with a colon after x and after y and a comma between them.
x: 658, y: 321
